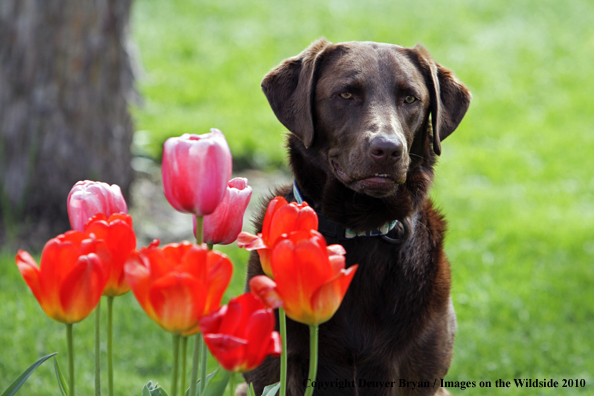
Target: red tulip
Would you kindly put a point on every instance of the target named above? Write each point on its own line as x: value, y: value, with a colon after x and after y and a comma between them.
x: 178, y: 284
x: 116, y: 241
x: 69, y: 283
x: 309, y: 277
x: 87, y: 198
x: 281, y: 218
x: 241, y: 334
x: 222, y: 226
x: 196, y: 169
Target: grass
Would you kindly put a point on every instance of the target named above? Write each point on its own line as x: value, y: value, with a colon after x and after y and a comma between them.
x: 515, y: 180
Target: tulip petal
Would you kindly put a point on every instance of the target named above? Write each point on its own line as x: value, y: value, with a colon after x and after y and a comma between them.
x: 229, y: 350
x: 240, y: 333
x: 273, y: 206
x: 172, y: 300
x: 88, y: 198
x: 249, y: 304
x: 283, y: 222
x: 126, y: 218
x: 30, y: 272
x: 250, y: 242
x: 337, y: 263
x: 118, y: 241
x: 306, y: 267
x: 326, y: 300
x: 224, y: 224
x: 283, y: 262
x: 191, y: 260
x: 139, y: 278
x: 81, y: 289
x: 117, y: 203
x: 210, y: 323
x: 179, y: 284
x: 220, y: 271
x: 229, y: 323
x: 258, y: 329
x: 58, y: 259
x: 265, y: 288
x: 284, y: 219
x: 308, y: 219
x: 265, y: 256
x: 336, y: 249
x: 224, y: 342
x: 175, y: 252
x: 275, y: 344
x: 293, y: 285
x: 201, y: 296
x: 156, y: 261
x: 195, y: 170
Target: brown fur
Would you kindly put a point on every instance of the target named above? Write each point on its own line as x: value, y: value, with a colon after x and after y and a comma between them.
x: 362, y: 162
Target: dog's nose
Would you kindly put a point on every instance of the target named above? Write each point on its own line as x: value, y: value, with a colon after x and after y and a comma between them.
x: 386, y: 150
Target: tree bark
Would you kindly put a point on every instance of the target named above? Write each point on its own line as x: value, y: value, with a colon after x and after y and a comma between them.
x: 65, y: 85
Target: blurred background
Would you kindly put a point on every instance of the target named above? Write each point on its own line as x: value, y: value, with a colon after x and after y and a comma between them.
x: 92, y: 90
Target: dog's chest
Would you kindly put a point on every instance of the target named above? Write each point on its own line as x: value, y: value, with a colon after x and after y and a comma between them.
x: 383, y: 299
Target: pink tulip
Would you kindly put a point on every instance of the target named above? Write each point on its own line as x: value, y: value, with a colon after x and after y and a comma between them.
x: 222, y: 226
x: 196, y: 170
x: 88, y: 198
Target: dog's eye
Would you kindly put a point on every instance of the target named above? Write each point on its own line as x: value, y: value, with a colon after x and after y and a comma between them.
x: 346, y: 95
x: 410, y: 99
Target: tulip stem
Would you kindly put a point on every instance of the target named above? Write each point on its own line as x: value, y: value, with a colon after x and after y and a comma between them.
x: 200, y: 358
x: 174, y: 375
x: 313, y: 357
x: 199, y: 231
x: 184, y: 352
x: 210, y: 246
x: 110, y: 345
x: 282, y: 318
x: 232, y: 384
x: 98, y: 349
x: 70, y: 342
x: 195, y: 364
x: 204, y: 359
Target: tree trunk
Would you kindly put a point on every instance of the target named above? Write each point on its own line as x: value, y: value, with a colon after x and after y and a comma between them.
x: 65, y: 85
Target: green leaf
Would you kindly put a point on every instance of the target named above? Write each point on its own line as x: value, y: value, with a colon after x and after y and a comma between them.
x: 159, y: 391
x: 153, y: 390
x: 17, y: 383
x: 208, y: 377
x: 271, y: 390
x: 146, y: 390
x: 251, y: 391
x: 61, y: 380
x: 216, y: 382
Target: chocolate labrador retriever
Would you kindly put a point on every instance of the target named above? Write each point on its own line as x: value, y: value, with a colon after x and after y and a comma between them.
x: 366, y: 122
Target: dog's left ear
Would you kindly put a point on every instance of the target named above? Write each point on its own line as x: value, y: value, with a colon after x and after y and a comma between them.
x: 449, y: 96
x: 289, y: 90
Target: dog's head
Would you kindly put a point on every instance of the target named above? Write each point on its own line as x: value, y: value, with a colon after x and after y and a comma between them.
x: 364, y: 108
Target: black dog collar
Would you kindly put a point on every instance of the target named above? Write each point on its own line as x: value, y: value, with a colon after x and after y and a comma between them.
x: 333, y: 230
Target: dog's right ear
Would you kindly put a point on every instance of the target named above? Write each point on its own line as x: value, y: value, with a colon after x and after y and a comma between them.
x: 289, y: 90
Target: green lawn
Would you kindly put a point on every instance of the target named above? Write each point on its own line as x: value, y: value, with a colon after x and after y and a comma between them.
x: 515, y: 181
